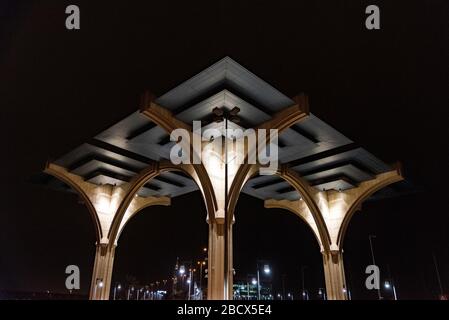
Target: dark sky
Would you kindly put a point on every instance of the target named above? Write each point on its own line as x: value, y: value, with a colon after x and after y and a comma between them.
x: 385, y: 89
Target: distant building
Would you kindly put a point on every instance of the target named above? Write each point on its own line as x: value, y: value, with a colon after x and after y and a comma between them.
x: 247, y: 289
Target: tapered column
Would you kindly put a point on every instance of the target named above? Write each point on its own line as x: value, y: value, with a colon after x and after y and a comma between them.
x: 215, y: 275
x: 217, y: 289
x: 102, y: 273
x: 334, y: 275
x: 230, y: 291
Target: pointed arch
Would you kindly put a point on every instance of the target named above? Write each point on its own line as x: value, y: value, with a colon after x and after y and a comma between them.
x: 79, y: 186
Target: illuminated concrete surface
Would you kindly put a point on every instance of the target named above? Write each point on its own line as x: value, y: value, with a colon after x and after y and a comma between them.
x: 323, y: 176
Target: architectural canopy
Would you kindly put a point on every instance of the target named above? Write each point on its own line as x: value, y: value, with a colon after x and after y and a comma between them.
x: 323, y: 176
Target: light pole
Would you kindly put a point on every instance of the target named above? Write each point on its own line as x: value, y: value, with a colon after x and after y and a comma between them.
x: 255, y: 283
x: 266, y: 270
x: 201, y: 263
x: 189, y: 281
x: 283, y: 286
x: 258, y: 282
x: 129, y: 292
x: 322, y: 293
x: 391, y: 285
x: 117, y: 287
x: 182, y: 271
x: 438, y: 274
x: 374, y: 261
x: 304, y: 295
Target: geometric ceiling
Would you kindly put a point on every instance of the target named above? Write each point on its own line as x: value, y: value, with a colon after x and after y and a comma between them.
x: 318, y: 152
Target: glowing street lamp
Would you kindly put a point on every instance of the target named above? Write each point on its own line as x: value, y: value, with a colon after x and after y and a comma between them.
x: 305, y: 295
x: 266, y: 269
x: 182, y: 270
x: 117, y: 287
x: 322, y: 293
x: 390, y: 285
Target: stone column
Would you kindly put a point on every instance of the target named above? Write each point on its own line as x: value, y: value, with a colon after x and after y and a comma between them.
x: 230, y: 289
x: 217, y: 289
x: 334, y: 275
x: 102, y: 273
x: 215, y: 269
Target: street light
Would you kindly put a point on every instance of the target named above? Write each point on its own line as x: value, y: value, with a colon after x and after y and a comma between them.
x: 266, y: 270
x: 390, y: 285
x: 189, y: 282
x: 201, y: 264
x: 303, y: 283
x: 129, y: 292
x: 137, y: 295
x: 322, y: 293
x: 305, y: 295
x: 117, y: 287
x: 182, y: 270
x: 374, y: 261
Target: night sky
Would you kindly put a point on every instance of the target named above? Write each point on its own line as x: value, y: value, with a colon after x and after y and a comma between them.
x: 386, y: 90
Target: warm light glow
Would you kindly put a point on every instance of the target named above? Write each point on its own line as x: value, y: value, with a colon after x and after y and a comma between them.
x: 103, y: 203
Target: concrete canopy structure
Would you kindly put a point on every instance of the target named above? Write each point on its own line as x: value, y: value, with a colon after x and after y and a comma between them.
x: 323, y: 176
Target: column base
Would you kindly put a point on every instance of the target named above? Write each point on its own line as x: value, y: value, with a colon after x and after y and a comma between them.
x: 334, y: 275
x: 102, y: 273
